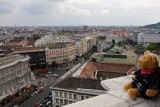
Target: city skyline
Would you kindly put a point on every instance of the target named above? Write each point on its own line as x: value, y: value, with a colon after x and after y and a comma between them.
x: 79, y: 12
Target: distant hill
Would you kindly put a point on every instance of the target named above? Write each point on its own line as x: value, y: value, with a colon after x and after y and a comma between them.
x: 156, y: 25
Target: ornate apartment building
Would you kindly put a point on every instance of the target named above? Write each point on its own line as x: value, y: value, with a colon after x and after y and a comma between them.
x: 61, y: 53
x: 15, y: 75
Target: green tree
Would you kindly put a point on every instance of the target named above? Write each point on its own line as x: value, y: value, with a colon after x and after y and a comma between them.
x: 120, y: 43
x: 94, y: 48
x: 113, y: 41
x: 54, y: 64
x: 140, y: 48
x: 153, y: 47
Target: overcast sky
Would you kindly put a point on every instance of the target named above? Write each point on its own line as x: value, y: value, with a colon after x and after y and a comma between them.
x: 79, y: 12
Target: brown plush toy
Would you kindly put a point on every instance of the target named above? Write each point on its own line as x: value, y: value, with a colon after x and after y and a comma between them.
x: 146, y: 83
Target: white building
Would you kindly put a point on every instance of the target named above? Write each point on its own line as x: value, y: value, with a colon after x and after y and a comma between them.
x: 15, y: 74
x: 147, y: 38
x: 74, y: 89
x: 44, y: 40
x: 133, y: 36
x: 81, y: 47
x: 117, y: 38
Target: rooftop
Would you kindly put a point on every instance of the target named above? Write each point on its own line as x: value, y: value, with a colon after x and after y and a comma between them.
x: 28, y: 49
x: 91, y: 67
x: 116, y: 96
x: 74, y: 83
x: 18, y: 39
x: 61, y: 45
x: 109, y: 67
x: 10, y: 58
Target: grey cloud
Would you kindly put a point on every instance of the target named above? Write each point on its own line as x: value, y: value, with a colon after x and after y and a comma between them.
x: 5, y: 7
x: 37, y: 8
x: 56, y: 1
x: 41, y: 7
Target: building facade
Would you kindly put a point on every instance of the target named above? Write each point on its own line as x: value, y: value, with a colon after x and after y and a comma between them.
x: 126, y: 57
x: 147, y: 38
x: 117, y: 38
x: 61, y: 53
x: 81, y: 47
x: 37, y: 57
x: 43, y: 41
x: 91, y: 41
x: 77, y: 89
x: 15, y: 77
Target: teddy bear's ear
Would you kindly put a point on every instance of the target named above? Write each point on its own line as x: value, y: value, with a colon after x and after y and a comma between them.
x: 146, y: 52
x: 155, y: 59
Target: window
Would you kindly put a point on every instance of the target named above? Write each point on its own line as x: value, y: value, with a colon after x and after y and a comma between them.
x: 65, y: 102
x: 82, y: 97
x: 57, y: 101
x: 60, y: 94
x: 87, y: 97
x: 70, y: 102
x: 70, y: 96
x: 56, y: 93
x: 61, y: 101
x: 74, y: 96
x: 65, y: 95
x: 57, y: 106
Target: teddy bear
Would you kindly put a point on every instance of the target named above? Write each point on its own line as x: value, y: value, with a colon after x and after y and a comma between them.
x: 146, y: 82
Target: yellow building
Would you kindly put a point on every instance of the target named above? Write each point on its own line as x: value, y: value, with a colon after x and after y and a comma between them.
x: 127, y: 57
x: 61, y: 53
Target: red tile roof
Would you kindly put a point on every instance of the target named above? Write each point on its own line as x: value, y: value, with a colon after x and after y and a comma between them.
x: 31, y: 41
x: 88, y: 70
x: 110, y: 67
x: 91, y: 67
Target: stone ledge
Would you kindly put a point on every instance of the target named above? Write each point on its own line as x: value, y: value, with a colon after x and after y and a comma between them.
x: 115, y: 88
x: 116, y: 96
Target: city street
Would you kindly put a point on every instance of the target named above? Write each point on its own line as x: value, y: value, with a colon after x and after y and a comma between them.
x: 39, y: 97
x: 102, y: 45
x: 48, y: 82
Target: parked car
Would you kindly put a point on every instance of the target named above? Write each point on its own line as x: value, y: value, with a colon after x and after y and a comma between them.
x: 48, y: 103
x: 55, y: 75
x: 40, y: 89
x: 49, y: 72
x: 45, y: 101
x: 50, y: 93
x: 38, y: 104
